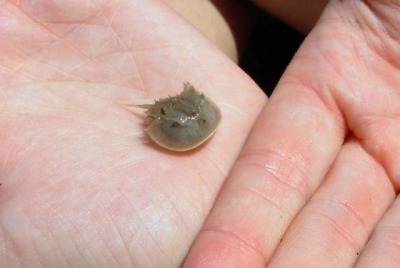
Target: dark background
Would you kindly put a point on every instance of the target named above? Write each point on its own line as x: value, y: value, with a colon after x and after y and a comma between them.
x: 270, y: 49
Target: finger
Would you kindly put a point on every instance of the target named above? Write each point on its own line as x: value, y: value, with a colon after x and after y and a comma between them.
x: 284, y: 160
x: 279, y: 169
x: 366, y: 84
x: 383, y: 248
x: 288, y: 153
x: 335, y: 225
x: 372, y: 110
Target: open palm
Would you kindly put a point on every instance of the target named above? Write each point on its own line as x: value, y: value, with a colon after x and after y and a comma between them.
x: 81, y: 184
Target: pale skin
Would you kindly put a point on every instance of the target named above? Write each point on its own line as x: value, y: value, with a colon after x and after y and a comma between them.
x: 310, y: 175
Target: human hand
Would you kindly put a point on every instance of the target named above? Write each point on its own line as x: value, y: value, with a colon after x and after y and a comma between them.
x: 81, y: 186
x: 316, y: 182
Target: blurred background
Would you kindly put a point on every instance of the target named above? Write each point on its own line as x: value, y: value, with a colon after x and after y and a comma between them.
x: 270, y: 48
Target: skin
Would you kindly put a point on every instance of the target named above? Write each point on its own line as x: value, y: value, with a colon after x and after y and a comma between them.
x: 318, y: 177
x: 301, y: 15
x: 226, y: 23
x: 311, y: 175
x: 81, y: 185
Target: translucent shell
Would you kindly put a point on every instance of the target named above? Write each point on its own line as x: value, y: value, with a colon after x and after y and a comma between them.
x: 182, y: 122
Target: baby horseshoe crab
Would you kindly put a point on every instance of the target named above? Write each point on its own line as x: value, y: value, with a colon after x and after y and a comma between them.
x: 182, y: 122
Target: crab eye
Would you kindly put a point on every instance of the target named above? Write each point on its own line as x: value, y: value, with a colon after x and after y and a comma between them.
x: 162, y: 111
